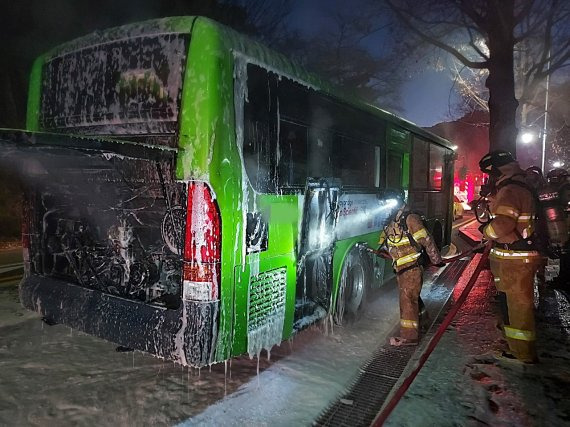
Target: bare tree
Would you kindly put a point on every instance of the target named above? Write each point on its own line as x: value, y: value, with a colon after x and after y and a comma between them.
x: 485, y: 35
x: 557, y: 148
x: 342, y: 51
x: 470, y: 84
x: 266, y: 20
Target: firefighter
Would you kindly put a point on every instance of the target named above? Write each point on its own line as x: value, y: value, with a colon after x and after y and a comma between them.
x: 536, y: 180
x: 555, y: 206
x: 404, y: 238
x: 514, y: 257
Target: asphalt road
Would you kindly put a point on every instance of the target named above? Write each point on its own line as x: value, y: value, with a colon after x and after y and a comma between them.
x: 54, y: 375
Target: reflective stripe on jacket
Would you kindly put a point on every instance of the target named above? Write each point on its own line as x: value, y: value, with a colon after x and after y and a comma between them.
x: 400, y: 247
x: 512, y: 210
x: 509, y: 254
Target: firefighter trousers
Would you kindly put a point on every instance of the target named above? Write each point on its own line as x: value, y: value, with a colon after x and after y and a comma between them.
x: 410, y: 285
x: 515, y: 277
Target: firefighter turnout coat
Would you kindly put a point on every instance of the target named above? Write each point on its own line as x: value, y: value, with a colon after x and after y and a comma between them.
x: 514, y: 258
x: 404, y: 238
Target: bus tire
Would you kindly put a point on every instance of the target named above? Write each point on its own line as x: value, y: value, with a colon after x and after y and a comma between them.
x: 354, y: 286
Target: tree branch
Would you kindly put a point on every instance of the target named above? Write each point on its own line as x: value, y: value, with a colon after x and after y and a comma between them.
x: 474, y: 45
x: 466, y: 6
x: 436, y: 42
x: 524, y: 12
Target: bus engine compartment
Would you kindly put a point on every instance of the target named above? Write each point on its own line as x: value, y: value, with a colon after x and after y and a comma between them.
x: 103, y: 236
x: 112, y: 224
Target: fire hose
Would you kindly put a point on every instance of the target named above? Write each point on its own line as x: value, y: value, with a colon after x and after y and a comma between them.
x: 479, y: 247
x: 389, y: 407
x: 386, y: 255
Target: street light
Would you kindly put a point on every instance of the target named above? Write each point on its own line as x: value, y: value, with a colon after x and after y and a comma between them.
x: 558, y: 164
x: 545, y: 111
x: 527, y: 137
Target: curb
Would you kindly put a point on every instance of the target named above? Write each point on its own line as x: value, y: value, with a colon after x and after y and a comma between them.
x: 12, y: 274
x: 472, y: 235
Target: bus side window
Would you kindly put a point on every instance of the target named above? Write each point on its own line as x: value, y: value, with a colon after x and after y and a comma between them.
x: 394, y: 166
x: 420, y: 156
x: 321, y: 151
x: 292, y: 154
x: 260, y: 128
x: 321, y: 137
x: 258, y: 154
x: 436, y: 163
x: 356, y: 162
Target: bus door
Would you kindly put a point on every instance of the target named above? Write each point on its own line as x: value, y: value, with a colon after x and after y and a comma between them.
x: 398, y: 159
x: 316, y: 247
x: 397, y: 168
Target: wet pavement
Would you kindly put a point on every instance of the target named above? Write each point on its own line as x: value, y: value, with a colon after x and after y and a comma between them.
x: 380, y: 375
x: 463, y: 383
x: 56, y: 376
x: 52, y: 375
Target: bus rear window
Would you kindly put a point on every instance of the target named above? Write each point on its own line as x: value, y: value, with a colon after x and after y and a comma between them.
x: 130, y: 86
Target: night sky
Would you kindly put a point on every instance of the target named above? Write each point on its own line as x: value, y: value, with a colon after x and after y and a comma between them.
x: 426, y: 95
x: 30, y: 27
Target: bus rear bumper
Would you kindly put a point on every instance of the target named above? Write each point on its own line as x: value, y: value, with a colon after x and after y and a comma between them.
x: 186, y: 335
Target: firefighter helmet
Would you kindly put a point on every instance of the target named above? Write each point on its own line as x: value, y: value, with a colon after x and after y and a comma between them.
x: 534, y: 177
x: 534, y: 170
x: 557, y: 176
x: 495, y: 159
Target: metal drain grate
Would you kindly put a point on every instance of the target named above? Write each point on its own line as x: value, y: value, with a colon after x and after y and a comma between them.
x: 359, y: 405
x: 397, y: 364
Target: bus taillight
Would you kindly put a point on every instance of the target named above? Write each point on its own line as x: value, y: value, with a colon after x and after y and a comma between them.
x: 202, y: 245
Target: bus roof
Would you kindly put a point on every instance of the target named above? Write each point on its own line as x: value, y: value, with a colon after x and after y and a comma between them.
x: 243, y: 45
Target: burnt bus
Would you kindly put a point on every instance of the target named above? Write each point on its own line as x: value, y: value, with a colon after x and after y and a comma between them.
x: 196, y: 196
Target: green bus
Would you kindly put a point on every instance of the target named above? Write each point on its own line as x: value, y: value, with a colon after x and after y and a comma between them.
x: 195, y: 195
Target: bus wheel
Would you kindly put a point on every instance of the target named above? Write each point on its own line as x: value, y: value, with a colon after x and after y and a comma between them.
x: 355, y: 282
